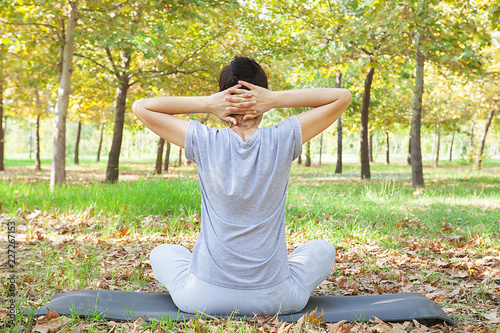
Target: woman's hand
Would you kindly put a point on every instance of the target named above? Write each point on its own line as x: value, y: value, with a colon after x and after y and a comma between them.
x: 233, y: 101
x: 262, y: 99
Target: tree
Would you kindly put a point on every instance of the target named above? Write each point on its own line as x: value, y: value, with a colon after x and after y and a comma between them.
x: 148, y: 40
x: 38, y: 32
x: 167, y: 157
x: 308, y: 154
x: 159, y: 156
x: 448, y: 34
x: 417, y: 175
x: 338, y: 166
x: 58, y: 172
x: 479, y: 160
x: 490, y: 91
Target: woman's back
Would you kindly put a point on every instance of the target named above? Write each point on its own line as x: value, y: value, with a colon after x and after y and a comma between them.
x: 243, y: 186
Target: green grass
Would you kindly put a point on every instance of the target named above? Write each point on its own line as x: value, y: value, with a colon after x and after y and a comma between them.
x: 466, y: 203
x: 460, y: 206
x: 85, y: 161
x: 127, y: 199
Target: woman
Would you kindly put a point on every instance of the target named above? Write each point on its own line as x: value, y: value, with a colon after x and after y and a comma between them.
x: 240, y: 261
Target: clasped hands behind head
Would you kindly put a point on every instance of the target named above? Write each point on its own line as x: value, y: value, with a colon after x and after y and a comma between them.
x: 244, y: 102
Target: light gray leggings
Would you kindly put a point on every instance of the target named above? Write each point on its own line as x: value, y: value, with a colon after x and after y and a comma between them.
x: 310, y: 264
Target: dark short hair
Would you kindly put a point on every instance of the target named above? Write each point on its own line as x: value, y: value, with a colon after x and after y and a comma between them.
x: 242, y: 68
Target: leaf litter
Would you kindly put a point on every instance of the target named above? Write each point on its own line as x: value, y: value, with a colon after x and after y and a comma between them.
x: 461, y: 275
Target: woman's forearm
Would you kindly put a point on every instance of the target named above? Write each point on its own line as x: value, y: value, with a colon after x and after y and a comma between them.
x: 312, y: 97
x: 175, y: 105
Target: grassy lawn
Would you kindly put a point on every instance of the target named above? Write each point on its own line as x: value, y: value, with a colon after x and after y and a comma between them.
x: 442, y: 241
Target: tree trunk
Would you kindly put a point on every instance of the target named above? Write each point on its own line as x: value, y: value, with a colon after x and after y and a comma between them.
x: 2, y: 134
x: 417, y: 176
x: 338, y: 167
x: 370, y: 147
x: 471, y: 143
x: 408, y: 159
x: 38, y: 163
x: 179, y: 157
x: 364, y: 149
x: 451, y: 145
x: 112, y: 170
x: 167, y: 157
x: 139, y: 144
x: 320, y: 148
x: 30, y: 140
x: 438, y: 142
x: 387, y: 147
x: 308, y: 154
x: 58, y: 172
x: 479, y: 160
x: 159, y: 156
x: 299, y: 160
x: 77, y: 143
x: 101, y: 131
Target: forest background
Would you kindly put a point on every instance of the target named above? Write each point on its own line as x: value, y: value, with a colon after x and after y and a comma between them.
x: 426, y: 70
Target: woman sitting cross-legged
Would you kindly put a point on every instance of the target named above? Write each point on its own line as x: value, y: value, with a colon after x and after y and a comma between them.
x: 240, y: 261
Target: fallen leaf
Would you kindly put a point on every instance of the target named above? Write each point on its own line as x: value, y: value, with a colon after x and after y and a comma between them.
x: 313, y: 318
x: 492, y: 317
x: 50, y: 323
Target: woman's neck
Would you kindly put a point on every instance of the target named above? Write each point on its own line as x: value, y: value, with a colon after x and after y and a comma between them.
x: 246, y: 128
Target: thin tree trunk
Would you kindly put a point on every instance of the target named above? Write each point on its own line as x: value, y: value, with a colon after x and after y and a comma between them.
x: 338, y: 166
x: 471, y: 143
x: 299, y: 160
x: 101, y: 131
x: 112, y: 170
x: 320, y: 147
x: 167, y: 157
x: 370, y: 147
x: 364, y: 149
x: 451, y: 145
x: 408, y: 159
x: 438, y: 142
x: 417, y: 175
x: 479, y: 160
x: 159, y: 156
x: 179, y: 157
x: 77, y: 143
x: 387, y: 147
x: 30, y: 140
x: 308, y: 154
x: 58, y: 172
x: 433, y: 145
x: 139, y: 144
x: 38, y: 163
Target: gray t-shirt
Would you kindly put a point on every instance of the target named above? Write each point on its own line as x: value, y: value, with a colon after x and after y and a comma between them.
x: 242, y: 243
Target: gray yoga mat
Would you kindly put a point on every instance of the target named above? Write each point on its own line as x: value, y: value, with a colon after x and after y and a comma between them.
x: 125, y: 305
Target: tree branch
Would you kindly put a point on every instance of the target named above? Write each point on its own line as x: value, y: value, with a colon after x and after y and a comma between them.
x: 112, y: 61
x: 366, y: 51
x: 160, y: 74
x: 106, y: 10
x: 199, y: 49
x: 28, y: 23
x: 95, y: 62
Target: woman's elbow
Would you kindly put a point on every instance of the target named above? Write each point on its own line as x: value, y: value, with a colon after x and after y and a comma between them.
x: 137, y: 107
x: 347, y: 96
